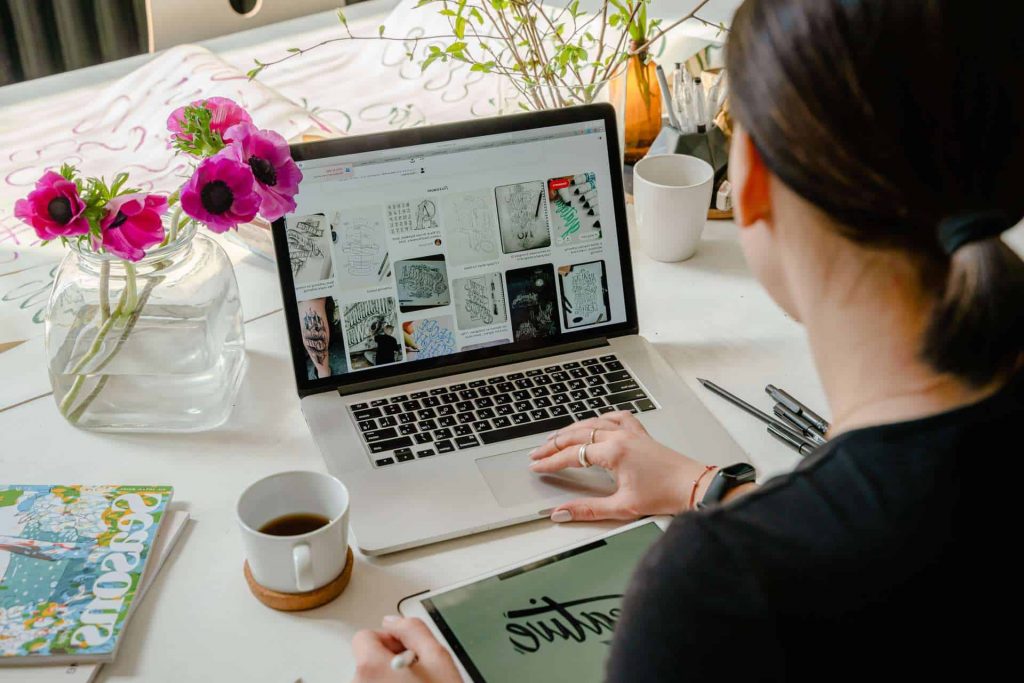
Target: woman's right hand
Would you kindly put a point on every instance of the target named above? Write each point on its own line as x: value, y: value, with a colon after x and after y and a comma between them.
x: 652, y: 478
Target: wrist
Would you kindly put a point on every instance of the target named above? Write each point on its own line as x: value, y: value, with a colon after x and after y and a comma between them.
x: 694, y: 485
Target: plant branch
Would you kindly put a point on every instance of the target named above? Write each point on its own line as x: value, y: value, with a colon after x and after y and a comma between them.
x: 660, y: 34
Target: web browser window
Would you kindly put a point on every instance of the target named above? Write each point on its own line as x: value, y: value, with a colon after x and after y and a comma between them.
x: 417, y: 252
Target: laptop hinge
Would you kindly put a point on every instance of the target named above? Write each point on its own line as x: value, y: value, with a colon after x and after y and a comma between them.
x: 470, y: 366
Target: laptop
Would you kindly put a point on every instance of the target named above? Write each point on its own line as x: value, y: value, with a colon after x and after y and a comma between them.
x: 455, y: 293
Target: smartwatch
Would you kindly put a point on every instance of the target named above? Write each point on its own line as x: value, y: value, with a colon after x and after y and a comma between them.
x: 725, y: 480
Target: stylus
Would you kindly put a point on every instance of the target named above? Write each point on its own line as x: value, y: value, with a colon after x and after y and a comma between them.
x: 403, y: 660
x: 760, y: 415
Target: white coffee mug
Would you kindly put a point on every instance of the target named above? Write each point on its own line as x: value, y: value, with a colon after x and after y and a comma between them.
x: 295, y: 564
x: 671, y: 195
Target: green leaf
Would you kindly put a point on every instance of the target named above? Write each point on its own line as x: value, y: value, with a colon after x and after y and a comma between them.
x: 341, y: 18
x: 294, y: 49
x: 475, y: 13
x: 430, y: 59
x: 380, y: 31
x: 421, y: 3
x: 614, y: 20
x: 456, y: 47
x: 447, y: 12
x: 460, y: 27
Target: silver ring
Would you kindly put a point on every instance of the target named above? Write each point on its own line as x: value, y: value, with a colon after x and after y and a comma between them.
x: 582, y: 455
x: 592, y: 432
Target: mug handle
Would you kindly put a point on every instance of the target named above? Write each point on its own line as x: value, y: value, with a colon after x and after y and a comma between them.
x: 303, y: 568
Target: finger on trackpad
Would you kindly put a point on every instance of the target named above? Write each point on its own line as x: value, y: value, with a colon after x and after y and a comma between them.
x: 512, y: 483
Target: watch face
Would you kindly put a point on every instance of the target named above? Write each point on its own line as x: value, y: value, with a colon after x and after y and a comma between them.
x: 741, y: 471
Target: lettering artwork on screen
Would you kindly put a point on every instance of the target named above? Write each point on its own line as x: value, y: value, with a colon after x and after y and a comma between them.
x: 522, y: 216
x: 309, y: 248
x: 548, y: 621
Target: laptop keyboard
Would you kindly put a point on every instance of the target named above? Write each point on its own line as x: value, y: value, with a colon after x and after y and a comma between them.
x: 466, y: 415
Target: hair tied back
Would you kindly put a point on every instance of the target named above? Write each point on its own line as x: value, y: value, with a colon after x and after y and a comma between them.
x: 964, y: 228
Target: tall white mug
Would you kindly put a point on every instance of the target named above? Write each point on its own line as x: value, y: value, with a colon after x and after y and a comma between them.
x: 671, y: 196
x: 295, y: 564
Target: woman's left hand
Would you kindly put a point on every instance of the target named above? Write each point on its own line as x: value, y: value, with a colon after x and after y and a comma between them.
x: 374, y: 650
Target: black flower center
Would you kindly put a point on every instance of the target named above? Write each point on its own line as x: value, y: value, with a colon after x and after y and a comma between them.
x: 217, y: 197
x: 59, y: 209
x: 263, y: 170
x: 119, y: 220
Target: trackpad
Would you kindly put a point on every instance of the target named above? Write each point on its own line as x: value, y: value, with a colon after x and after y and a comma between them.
x: 512, y: 483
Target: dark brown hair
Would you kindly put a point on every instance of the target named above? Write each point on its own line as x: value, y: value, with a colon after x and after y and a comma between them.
x: 892, y: 116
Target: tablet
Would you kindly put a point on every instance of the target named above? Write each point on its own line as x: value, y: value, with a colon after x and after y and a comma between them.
x: 547, y: 619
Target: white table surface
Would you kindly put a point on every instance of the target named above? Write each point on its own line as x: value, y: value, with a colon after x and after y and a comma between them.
x: 707, y: 316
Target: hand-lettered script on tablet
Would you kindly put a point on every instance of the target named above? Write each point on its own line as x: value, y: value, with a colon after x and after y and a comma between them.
x: 548, y: 621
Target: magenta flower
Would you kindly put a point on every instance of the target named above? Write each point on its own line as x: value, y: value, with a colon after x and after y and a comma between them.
x: 267, y: 154
x: 221, y: 193
x: 133, y: 224
x: 54, y: 209
x: 224, y: 114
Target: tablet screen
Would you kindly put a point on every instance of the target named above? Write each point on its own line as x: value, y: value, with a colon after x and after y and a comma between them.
x: 550, y: 620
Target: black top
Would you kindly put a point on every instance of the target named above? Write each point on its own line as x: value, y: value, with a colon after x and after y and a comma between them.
x: 387, y: 349
x: 887, y: 553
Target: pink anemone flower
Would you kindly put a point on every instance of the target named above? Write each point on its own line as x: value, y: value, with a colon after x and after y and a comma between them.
x: 54, y: 209
x: 267, y: 154
x: 221, y: 193
x: 133, y: 224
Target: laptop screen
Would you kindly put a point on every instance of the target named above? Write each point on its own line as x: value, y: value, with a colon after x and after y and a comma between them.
x: 419, y: 255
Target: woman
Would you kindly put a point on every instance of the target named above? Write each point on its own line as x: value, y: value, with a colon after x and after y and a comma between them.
x: 876, y: 163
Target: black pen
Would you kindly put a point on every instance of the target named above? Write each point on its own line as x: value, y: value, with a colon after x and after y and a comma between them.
x: 800, y: 423
x: 800, y: 447
x: 759, y: 414
x: 820, y: 424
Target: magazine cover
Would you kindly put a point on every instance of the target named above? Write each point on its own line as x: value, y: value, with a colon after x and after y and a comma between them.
x: 71, y: 560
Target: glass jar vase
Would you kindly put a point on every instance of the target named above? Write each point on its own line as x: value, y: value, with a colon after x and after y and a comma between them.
x: 152, y: 346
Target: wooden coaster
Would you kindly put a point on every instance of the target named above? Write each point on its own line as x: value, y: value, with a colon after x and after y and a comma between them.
x: 296, y: 602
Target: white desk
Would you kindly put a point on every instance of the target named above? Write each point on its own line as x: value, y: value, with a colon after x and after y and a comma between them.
x: 199, y: 623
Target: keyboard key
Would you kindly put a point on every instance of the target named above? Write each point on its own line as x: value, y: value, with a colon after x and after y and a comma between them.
x: 645, y: 404
x: 552, y: 368
x: 595, y: 402
x: 487, y: 391
x: 594, y: 381
x: 463, y: 406
x: 406, y: 418
x: 538, y: 414
x: 520, y: 418
x: 579, y: 373
x: 367, y: 414
x: 501, y: 422
x: 534, y: 373
x: 426, y: 414
x: 542, y: 402
x: 597, y: 391
x: 398, y: 399
x: 425, y: 453
x: 385, y: 461
x: 481, y: 426
x: 539, y: 391
x: 505, y: 387
x: 617, y: 376
x: 521, y: 395
x: 438, y: 391
x: 622, y: 386
x: 392, y: 409
x: 577, y: 406
x: 525, y: 429
x: 596, y: 369
x: 558, y: 388
x: 407, y: 429
x: 358, y: 406
x: 456, y: 387
x: 450, y: 398
x: 485, y: 413
x: 410, y: 406
x: 445, y: 409
x: 466, y: 441
x: 590, y: 361
x: 484, y: 402
x: 496, y: 380
x: 514, y: 375
x: 477, y: 383
x: 613, y: 365
x: 606, y: 358
x: 466, y: 418
x: 557, y: 410
x: 367, y: 425
x: 390, y: 444
x: 505, y: 409
x: 560, y: 376
x: 444, y: 446
x: 387, y: 421
x: 404, y: 455
x: 468, y: 394
x: 443, y: 433
x: 579, y: 395
x: 623, y: 396
x: 427, y: 426
x: 586, y: 415
x: 605, y: 409
x: 523, y: 406
x: 524, y: 383
x: 570, y: 366
x: 462, y: 430
x: 380, y: 435
x: 423, y: 437
x: 418, y: 394
x: 379, y: 402
x: 431, y: 401
x: 446, y: 421
x: 626, y: 406
x: 577, y: 384
x: 502, y: 398
x: 542, y: 380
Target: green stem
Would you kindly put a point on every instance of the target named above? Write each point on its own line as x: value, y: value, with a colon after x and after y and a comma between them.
x: 104, y: 290
x: 172, y: 234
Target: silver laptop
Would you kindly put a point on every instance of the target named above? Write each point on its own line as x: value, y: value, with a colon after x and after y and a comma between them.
x: 455, y: 293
